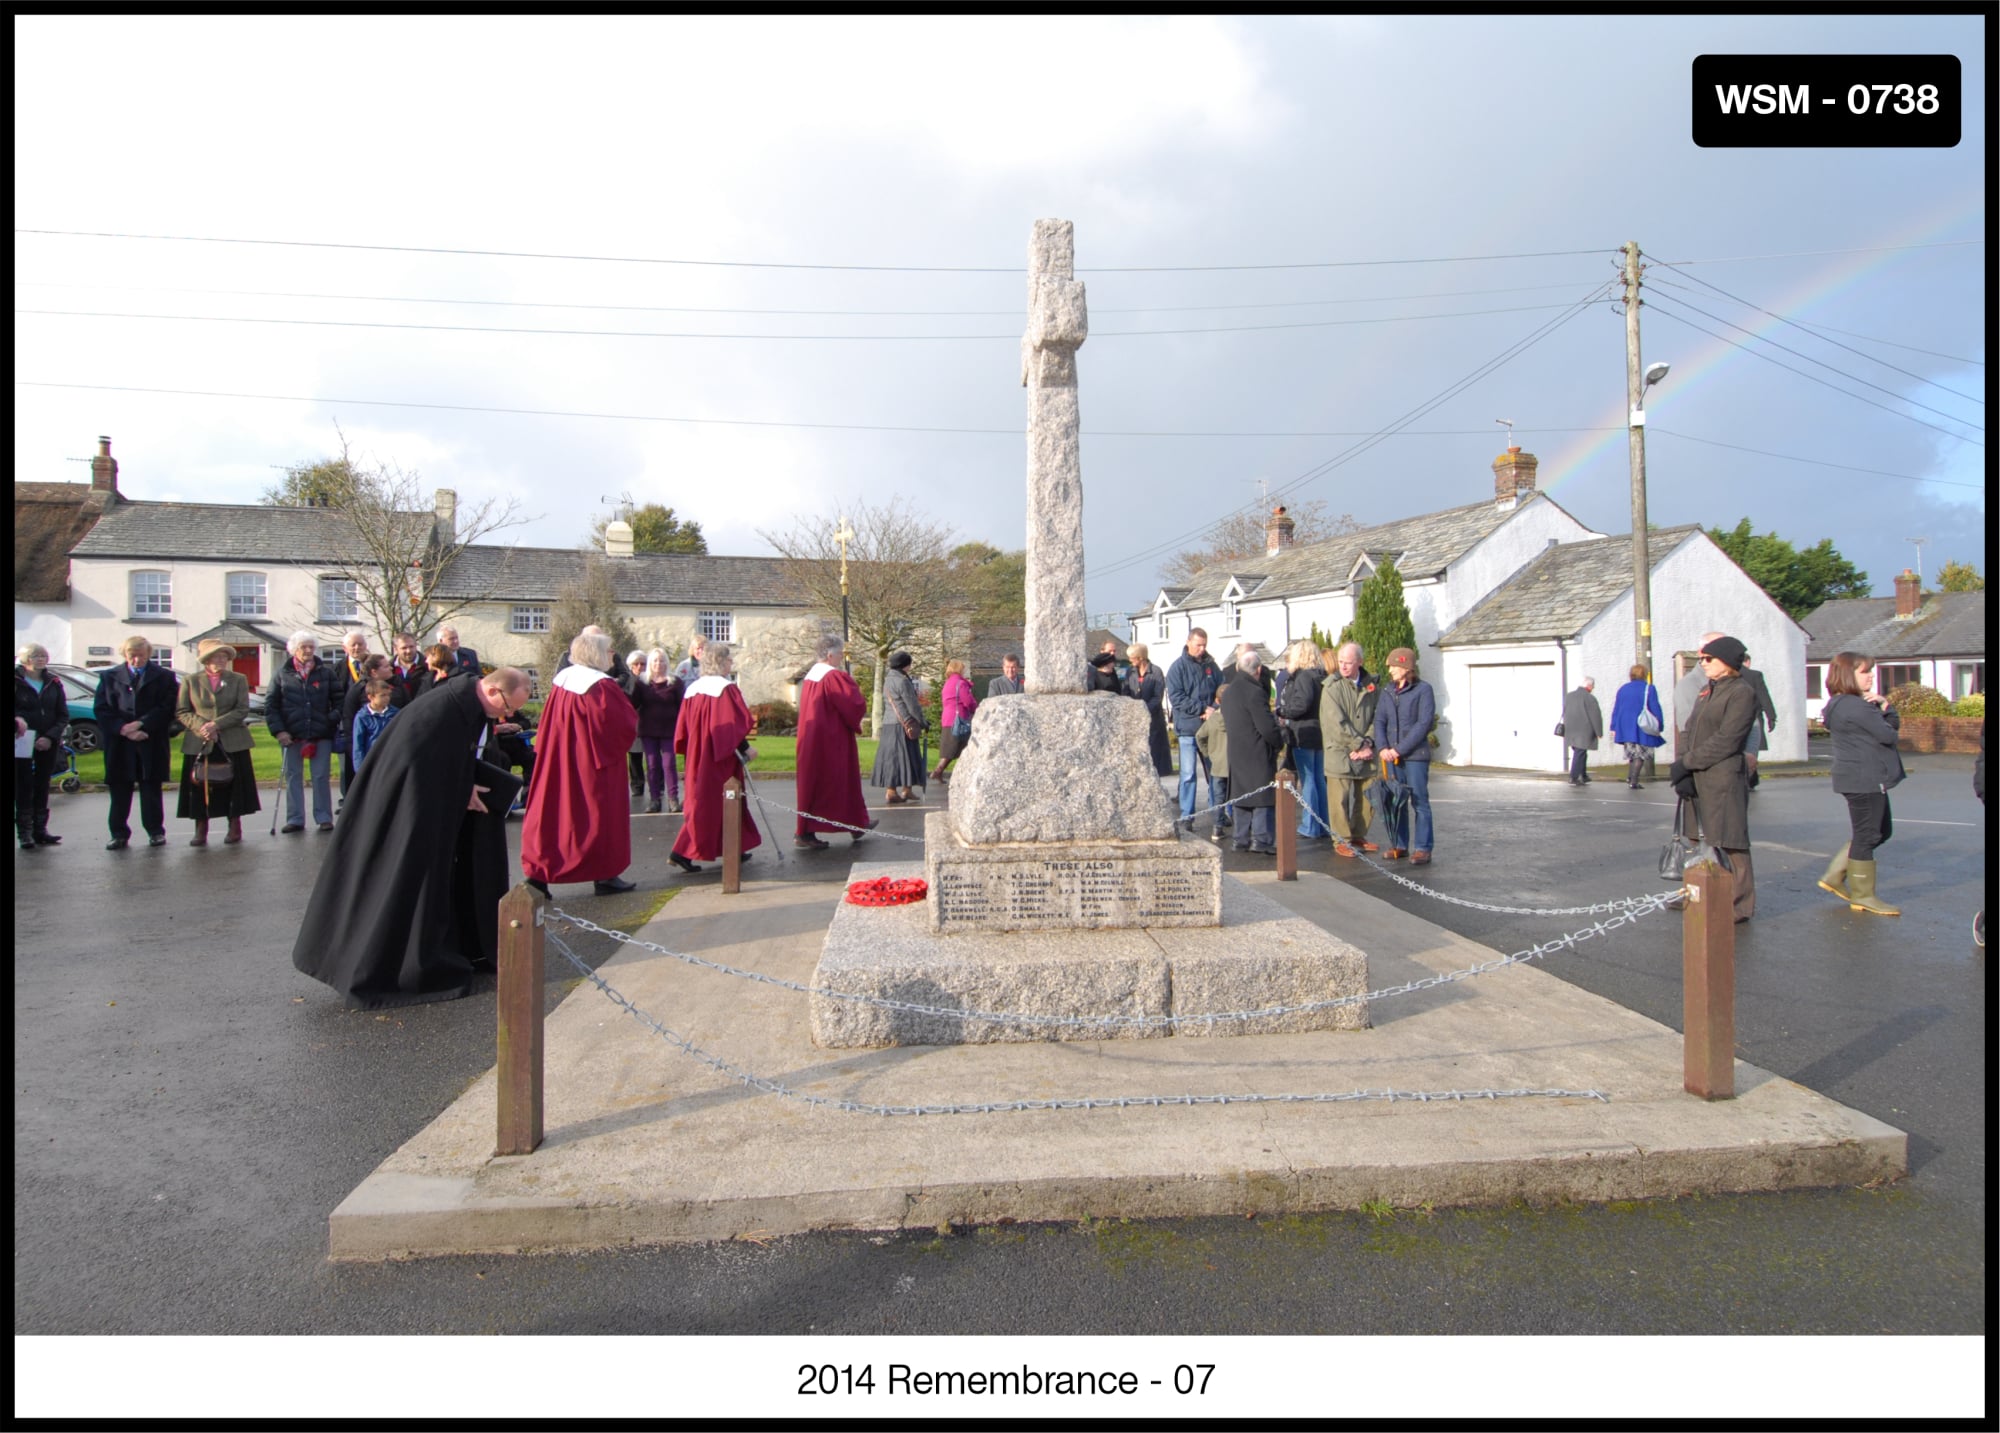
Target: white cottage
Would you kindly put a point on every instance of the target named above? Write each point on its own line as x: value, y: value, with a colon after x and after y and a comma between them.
x: 1449, y: 562
x: 1567, y: 615
x: 1936, y: 638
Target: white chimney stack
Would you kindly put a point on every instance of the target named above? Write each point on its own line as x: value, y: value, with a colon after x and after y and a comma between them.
x: 618, y: 539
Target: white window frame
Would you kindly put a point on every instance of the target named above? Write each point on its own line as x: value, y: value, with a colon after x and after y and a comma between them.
x: 162, y: 593
x: 163, y: 657
x: 331, y: 613
x: 528, y: 617
x: 717, y: 624
x: 235, y: 605
x: 1232, y: 618
x: 1162, y: 627
x: 1960, y: 671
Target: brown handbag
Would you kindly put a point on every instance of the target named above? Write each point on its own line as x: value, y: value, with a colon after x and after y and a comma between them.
x: 212, y: 768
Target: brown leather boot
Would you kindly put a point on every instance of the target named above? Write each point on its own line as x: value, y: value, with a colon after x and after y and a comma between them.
x: 200, y: 834
x: 235, y: 831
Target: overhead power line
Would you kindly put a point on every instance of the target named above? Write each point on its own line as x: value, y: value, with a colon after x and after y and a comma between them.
x: 767, y: 264
x: 1014, y: 432
x: 1889, y: 342
x: 1355, y: 450
x: 1817, y: 253
x: 783, y: 312
x: 763, y: 337
x: 1815, y: 378
x: 1970, y: 398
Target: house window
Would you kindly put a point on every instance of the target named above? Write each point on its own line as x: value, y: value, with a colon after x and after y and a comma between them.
x: 1967, y: 678
x: 1888, y: 677
x: 152, y: 594
x: 717, y: 626
x: 339, y: 599
x: 1160, y: 632
x: 163, y: 657
x: 529, y: 617
x: 1229, y: 616
x: 1815, y: 683
x: 246, y: 594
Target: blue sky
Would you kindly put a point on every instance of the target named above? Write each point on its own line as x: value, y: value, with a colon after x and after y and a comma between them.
x: 1204, y: 151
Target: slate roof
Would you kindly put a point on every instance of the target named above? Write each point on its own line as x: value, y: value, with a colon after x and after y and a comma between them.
x: 1560, y: 591
x: 536, y: 574
x: 49, y: 519
x: 1949, y: 624
x: 1423, y: 546
x: 227, y: 532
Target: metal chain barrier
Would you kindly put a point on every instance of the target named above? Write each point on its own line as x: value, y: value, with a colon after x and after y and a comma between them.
x: 1114, y: 1022
x: 1093, y: 1102
x: 918, y: 840
x: 1628, y: 903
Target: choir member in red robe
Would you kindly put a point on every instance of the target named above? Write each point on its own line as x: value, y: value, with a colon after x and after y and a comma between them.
x: 830, y: 712
x: 579, y: 822
x: 713, y: 733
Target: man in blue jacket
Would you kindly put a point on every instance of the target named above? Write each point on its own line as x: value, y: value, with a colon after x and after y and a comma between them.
x: 1191, y: 683
x: 1403, y: 721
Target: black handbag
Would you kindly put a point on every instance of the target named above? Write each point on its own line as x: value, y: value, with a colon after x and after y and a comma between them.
x: 1680, y: 848
x: 211, y: 768
x: 1559, y: 728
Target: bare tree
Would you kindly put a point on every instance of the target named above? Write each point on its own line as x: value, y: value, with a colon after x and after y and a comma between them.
x: 1243, y: 534
x: 397, y: 544
x: 589, y: 599
x: 902, y: 592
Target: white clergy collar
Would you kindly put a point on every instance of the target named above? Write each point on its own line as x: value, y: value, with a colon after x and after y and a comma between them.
x: 819, y: 670
x: 709, y: 687
x: 576, y: 679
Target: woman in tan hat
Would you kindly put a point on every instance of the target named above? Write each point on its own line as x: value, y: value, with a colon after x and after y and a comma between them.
x: 215, y: 709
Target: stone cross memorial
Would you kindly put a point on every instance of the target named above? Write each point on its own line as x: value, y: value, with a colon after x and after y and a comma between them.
x: 1059, y: 884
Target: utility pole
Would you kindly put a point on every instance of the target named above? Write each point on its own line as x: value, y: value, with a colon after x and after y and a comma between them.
x: 1918, y: 543
x: 1635, y: 397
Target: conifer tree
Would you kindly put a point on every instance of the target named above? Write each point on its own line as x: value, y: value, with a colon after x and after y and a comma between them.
x: 1381, y: 619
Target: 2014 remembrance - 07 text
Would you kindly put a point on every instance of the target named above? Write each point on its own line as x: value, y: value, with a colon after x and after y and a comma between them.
x: 900, y: 1378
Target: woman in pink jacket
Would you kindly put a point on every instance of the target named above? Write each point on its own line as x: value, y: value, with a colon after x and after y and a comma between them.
x: 958, y: 701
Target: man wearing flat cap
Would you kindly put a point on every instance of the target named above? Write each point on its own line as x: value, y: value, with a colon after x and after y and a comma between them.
x: 1711, y: 754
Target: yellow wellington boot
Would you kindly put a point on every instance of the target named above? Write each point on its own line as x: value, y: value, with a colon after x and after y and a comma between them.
x: 1835, y: 879
x: 1861, y: 890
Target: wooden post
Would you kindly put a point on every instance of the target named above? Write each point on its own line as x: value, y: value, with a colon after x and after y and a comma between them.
x: 732, y: 835
x: 1708, y: 983
x: 1288, y: 809
x: 520, y: 1039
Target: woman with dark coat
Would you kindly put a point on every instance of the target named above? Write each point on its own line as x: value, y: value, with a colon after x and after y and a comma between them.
x: 658, y: 698
x: 41, y: 706
x: 899, y: 754
x: 1254, y: 743
x: 1711, y: 747
x: 1103, y: 673
x: 1149, y: 685
x: 1864, y: 729
x: 215, y: 708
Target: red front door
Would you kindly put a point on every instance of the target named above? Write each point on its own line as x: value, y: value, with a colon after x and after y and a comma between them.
x: 249, y: 663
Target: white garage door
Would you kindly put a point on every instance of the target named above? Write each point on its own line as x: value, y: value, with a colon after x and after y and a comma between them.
x: 1513, y: 716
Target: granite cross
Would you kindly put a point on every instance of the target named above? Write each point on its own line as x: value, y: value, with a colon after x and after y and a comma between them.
x: 1057, y: 327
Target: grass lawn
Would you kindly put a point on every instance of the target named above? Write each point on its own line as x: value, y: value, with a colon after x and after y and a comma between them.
x: 775, y: 754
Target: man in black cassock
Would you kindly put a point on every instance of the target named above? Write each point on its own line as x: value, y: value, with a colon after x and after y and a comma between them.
x: 407, y: 901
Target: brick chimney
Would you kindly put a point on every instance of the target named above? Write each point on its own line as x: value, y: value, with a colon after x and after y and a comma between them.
x: 1513, y: 476
x: 618, y: 539
x: 1909, y: 594
x: 1278, y: 532
x: 103, y: 479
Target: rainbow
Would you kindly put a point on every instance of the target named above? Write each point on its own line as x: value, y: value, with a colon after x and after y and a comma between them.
x: 1837, y: 273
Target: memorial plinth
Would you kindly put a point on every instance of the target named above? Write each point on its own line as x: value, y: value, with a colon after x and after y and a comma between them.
x: 1067, y: 885
x: 1260, y: 956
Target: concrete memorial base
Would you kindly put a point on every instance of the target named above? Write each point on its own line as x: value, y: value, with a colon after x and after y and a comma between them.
x: 1259, y: 956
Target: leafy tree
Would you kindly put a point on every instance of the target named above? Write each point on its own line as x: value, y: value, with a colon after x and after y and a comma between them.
x: 1381, y: 618
x: 995, y: 583
x: 390, y: 540
x: 903, y: 592
x: 654, y: 529
x: 1243, y: 535
x: 1797, y: 580
x: 1957, y: 576
x: 586, y: 599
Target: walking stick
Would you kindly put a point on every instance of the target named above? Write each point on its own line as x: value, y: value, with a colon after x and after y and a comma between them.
x: 750, y: 789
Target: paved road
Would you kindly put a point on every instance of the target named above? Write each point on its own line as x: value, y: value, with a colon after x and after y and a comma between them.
x: 188, y: 1109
